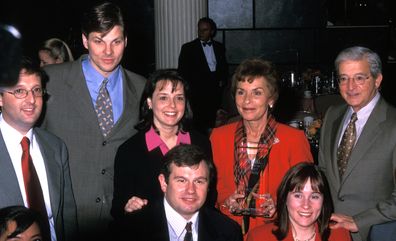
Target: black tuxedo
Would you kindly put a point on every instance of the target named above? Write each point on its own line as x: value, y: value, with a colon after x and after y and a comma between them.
x: 206, y: 87
x: 212, y: 225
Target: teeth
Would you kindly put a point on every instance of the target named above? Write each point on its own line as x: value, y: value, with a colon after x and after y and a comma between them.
x: 170, y: 113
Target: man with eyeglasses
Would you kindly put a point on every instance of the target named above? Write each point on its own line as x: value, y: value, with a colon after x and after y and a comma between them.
x: 357, y: 149
x: 34, y: 168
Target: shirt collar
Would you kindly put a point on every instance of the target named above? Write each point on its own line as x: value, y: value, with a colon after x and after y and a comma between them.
x: 95, y: 79
x: 153, y: 140
x: 178, y: 222
x: 11, y: 134
x: 365, y: 112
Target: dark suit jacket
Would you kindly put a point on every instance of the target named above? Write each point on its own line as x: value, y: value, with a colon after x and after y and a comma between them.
x: 63, y: 206
x: 194, y: 67
x: 70, y: 115
x: 367, y: 190
x: 206, y: 93
x: 136, y: 170
x: 212, y: 226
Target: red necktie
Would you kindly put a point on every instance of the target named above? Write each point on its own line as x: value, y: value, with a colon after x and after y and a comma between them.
x: 34, y: 193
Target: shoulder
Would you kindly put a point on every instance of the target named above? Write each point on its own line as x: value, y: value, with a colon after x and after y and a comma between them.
x: 190, y: 44
x: 63, y: 67
x: 133, y: 142
x: 262, y: 232
x: 48, y: 138
x: 339, y: 234
x: 136, y: 78
x: 290, y: 132
x: 219, y: 221
x: 228, y: 129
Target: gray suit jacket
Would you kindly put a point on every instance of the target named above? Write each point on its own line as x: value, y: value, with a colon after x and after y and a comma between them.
x: 367, y: 190
x: 70, y: 115
x: 63, y: 206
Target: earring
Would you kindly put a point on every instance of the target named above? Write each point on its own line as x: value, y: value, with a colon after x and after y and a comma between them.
x: 149, y: 107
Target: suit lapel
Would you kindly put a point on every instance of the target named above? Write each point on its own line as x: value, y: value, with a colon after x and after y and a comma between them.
x: 371, y: 131
x: 202, y: 58
x: 336, y: 132
x: 206, y: 231
x: 82, y: 98
x: 129, y: 99
x: 8, y: 179
x: 52, y: 168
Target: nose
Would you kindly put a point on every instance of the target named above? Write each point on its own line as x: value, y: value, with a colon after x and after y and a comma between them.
x: 190, y: 187
x: 172, y: 102
x: 30, y: 97
x: 108, y: 49
x: 351, y: 83
x: 247, y: 98
x: 306, y: 202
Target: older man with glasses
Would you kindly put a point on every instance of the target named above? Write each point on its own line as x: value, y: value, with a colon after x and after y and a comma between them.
x: 357, y: 149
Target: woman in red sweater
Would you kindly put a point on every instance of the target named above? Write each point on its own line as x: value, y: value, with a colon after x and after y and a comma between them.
x: 253, y: 154
x: 303, y: 209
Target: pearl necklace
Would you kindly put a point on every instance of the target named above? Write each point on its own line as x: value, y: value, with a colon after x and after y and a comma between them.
x: 309, y: 239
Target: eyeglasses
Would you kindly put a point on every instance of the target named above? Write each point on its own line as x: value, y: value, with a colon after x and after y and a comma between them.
x: 22, y: 93
x: 358, y: 79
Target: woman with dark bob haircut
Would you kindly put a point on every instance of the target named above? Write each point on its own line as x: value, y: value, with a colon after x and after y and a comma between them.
x: 21, y: 223
x: 304, y: 208
x: 164, y: 123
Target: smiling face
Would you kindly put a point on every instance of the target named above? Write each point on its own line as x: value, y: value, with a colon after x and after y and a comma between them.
x: 23, y: 113
x: 304, y: 207
x: 168, y: 105
x: 252, y: 99
x: 105, y: 51
x: 358, y: 95
x: 186, y: 188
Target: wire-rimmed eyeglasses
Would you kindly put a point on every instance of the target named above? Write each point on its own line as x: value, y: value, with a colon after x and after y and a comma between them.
x: 22, y: 93
x: 358, y: 79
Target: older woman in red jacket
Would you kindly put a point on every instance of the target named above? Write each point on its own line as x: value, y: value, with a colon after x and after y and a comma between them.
x: 253, y: 154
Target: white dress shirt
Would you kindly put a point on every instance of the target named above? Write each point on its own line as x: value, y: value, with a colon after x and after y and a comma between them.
x: 210, y: 56
x: 177, y: 224
x: 362, y: 116
x: 12, y: 139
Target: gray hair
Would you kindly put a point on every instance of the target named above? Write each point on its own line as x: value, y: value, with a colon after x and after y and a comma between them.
x: 357, y: 53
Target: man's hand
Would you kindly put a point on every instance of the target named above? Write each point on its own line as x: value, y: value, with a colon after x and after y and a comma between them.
x: 135, y: 203
x: 343, y: 221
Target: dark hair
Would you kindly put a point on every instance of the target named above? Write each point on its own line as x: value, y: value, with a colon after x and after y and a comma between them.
x: 210, y: 21
x: 146, y: 114
x: 102, y: 18
x: 22, y: 216
x: 357, y: 53
x: 27, y: 66
x: 295, y: 179
x: 251, y: 69
x: 186, y: 155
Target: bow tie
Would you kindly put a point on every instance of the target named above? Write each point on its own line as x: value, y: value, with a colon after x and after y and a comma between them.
x: 209, y: 43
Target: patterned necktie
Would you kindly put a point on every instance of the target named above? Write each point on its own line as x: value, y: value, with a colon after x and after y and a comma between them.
x: 34, y: 193
x: 346, y: 145
x: 188, y: 236
x: 104, y: 109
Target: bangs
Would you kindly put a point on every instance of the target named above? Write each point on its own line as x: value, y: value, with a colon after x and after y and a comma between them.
x: 298, y: 183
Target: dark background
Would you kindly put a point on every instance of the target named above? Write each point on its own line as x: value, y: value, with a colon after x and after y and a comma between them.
x: 292, y: 33
x: 41, y: 20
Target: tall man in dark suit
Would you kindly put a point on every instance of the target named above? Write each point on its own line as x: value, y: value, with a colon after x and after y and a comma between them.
x: 361, y: 164
x: 184, y: 179
x: 203, y: 64
x: 21, y: 106
x: 93, y: 107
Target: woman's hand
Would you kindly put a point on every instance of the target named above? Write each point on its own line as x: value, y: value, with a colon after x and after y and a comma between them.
x: 233, y: 202
x: 135, y: 203
x: 266, y: 204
